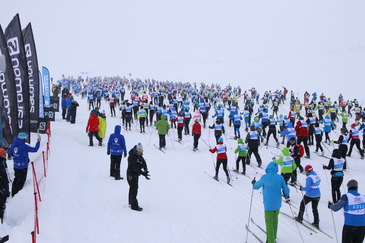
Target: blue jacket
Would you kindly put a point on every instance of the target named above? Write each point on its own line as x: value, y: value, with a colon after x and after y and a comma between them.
x: 116, y: 142
x: 19, y: 151
x: 350, y: 219
x: 312, y: 188
x: 273, y: 185
x: 64, y: 102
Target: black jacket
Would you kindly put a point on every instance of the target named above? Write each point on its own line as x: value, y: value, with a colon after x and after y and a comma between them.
x: 136, y: 164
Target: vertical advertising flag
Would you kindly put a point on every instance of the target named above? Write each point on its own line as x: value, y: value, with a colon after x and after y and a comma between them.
x: 33, y: 77
x: 47, y: 87
x: 9, y: 113
x: 41, y: 98
x: 15, y: 44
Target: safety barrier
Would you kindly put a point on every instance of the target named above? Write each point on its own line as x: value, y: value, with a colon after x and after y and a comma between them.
x: 39, y: 171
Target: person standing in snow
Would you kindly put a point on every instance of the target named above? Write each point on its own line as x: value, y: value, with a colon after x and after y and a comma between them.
x: 352, y: 202
x: 354, y: 139
x: 102, y: 125
x: 295, y: 153
x: 136, y: 166
x: 241, y: 149
x: 92, y: 129
x: 252, y: 140
x: 4, y: 183
x: 312, y: 194
x: 342, y: 141
x: 302, y: 134
x: 273, y: 186
x: 162, y: 127
x: 287, y: 164
x: 196, y: 131
x: 116, y: 148
x: 19, y: 151
x: 336, y: 164
x: 73, y: 110
x: 218, y: 129
x: 222, y: 158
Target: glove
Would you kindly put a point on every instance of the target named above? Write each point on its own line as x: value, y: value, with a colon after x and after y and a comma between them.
x: 324, y: 167
x: 287, y: 199
x: 87, y: 131
x: 253, y: 181
x: 108, y: 153
x: 300, y: 188
x: 125, y: 155
x: 147, y: 176
x: 329, y: 204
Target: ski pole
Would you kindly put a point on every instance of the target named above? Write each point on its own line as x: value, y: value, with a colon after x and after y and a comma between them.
x: 249, y: 211
x: 172, y: 142
x: 296, y: 223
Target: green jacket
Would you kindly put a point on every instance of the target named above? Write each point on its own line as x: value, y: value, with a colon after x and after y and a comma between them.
x: 162, y: 126
x: 242, y: 148
x: 286, y: 162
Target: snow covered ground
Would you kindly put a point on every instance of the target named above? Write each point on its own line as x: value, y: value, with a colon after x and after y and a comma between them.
x: 181, y: 202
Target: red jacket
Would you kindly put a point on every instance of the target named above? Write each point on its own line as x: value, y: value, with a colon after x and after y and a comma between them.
x: 197, y: 128
x: 93, y: 123
x: 219, y: 155
x: 302, y: 131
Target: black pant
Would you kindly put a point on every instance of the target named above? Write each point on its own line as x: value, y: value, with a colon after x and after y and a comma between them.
x: 133, y: 191
x: 305, y: 201
x: 305, y: 144
x: 336, y: 183
x: 64, y: 113
x: 318, y: 142
x: 20, y: 175
x: 141, y: 123
x: 2, y: 206
x: 115, y: 161
x: 219, y: 162
x: 91, y: 135
x: 255, y: 151
x: 243, y: 159
x: 286, y: 177
x: 179, y: 132
x: 162, y: 138
x: 353, y: 234
x: 196, y: 140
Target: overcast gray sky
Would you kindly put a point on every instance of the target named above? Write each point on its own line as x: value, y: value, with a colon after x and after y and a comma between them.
x: 310, y: 45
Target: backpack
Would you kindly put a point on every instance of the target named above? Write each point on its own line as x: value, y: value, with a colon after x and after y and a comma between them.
x: 301, y: 150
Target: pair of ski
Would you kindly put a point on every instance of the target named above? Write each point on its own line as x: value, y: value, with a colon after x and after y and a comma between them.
x: 235, y: 171
x: 163, y: 151
x: 229, y: 183
x: 308, y: 225
x: 194, y: 150
x: 252, y: 233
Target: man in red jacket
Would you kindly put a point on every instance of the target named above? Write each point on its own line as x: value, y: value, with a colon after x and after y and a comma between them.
x: 221, y: 150
x: 302, y: 133
x: 92, y: 129
x: 196, y: 132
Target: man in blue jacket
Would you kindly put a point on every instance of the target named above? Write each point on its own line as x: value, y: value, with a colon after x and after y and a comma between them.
x: 116, y: 148
x: 353, y: 204
x: 312, y: 194
x: 19, y: 151
x: 273, y: 186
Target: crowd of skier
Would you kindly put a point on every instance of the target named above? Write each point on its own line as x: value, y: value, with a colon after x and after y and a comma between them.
x: 175, y: 105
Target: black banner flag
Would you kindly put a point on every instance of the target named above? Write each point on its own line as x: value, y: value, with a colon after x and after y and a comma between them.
x: 15, y: 43
x: 9, y: 112
x: 33, y: 77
